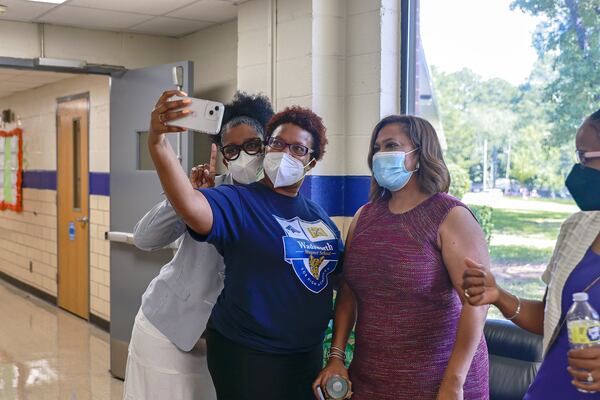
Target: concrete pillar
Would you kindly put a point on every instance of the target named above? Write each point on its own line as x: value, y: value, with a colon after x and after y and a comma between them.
x: 339, y: 57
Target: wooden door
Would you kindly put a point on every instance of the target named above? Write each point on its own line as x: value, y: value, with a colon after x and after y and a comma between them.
x: 73, y: 206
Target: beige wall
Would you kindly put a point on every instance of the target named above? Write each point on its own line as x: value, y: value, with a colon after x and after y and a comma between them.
x: 99, y: 256
x: 214, y: 53
x: 37, y: 108
x: 30, y: 236
x: 21, y: 40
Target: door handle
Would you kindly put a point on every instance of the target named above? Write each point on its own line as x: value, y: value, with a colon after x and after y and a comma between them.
x: 84, y: 220
x: 126, y: 237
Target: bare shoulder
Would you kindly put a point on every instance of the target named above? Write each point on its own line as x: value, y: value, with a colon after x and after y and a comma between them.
x: 459, y: 221
x: 353, y: 224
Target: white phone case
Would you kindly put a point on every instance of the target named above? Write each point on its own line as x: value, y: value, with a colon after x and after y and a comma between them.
x: 320, y: 392
x: 206, y: 116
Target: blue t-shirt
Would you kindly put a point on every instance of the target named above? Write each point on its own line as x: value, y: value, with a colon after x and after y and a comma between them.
x: 279, y: 252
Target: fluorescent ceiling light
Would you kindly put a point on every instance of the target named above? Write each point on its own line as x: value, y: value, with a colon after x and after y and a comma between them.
x: 3, y: 9
x: 58, y: 62
x: 48, y: 1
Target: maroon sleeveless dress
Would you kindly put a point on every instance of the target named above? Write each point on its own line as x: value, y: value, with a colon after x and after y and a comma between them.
x: 408, y: 310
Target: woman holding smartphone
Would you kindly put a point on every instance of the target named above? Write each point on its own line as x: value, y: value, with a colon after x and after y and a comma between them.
x: 164, y: 361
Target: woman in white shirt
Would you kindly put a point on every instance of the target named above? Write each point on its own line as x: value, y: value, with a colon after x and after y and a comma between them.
x: 164, y: 361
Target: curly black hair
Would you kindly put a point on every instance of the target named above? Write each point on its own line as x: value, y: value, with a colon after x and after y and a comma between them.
x: 306, y: 119
x: 246, y: 108
x: 594, y: 121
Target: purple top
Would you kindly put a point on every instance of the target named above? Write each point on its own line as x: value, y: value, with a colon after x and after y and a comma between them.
x: 408, y: 309
x: 553, y: 381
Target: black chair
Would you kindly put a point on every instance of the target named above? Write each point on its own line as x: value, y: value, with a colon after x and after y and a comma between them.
x: 515, y: 356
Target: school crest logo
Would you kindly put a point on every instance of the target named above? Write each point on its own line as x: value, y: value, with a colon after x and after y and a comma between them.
x: 312, y: 249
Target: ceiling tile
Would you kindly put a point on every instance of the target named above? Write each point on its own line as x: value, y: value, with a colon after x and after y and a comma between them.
x: 152, y: 7
x: 208, y: 10
x: 21, y: 10
x: 92, y: 18
x: 170, y: 26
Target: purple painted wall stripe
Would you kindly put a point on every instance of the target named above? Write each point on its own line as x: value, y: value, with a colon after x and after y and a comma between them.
x: 46, y: 179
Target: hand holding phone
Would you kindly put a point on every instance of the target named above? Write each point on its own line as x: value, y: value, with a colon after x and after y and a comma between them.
x: 206, y: 116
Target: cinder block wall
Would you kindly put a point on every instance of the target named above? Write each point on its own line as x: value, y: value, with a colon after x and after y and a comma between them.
x: 29, y: 245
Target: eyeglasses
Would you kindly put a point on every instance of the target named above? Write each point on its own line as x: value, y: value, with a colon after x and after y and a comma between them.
x: 585, y: 156
x: 296, y: 149
x: 231, y: 152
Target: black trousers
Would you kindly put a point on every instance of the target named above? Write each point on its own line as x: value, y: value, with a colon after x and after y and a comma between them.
x: 240, y: 373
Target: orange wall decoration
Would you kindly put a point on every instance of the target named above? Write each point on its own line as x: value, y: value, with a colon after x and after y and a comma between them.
x: 17, y: 205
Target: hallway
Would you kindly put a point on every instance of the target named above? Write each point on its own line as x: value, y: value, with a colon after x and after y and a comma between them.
x: 47, y: 353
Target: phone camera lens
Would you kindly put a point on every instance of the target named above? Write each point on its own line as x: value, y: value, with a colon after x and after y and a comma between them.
x: 211, y: 112
x: 217, y: 108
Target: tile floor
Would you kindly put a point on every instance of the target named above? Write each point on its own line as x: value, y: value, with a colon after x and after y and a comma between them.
x: 47, y: 353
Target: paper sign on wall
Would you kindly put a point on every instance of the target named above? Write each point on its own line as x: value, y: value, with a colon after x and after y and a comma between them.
x: 11, y: 170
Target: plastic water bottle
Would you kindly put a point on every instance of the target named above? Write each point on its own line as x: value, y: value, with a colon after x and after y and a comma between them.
x: 336, y: 388
x: 583, y: 325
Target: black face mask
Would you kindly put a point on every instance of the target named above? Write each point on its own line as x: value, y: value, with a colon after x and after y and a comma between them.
x: 584, y: 185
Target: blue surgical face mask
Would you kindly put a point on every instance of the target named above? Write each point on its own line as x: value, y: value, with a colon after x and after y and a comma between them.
x: 389, y: 169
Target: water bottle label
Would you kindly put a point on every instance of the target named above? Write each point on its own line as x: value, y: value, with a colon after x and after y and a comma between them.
x: 584, y: 332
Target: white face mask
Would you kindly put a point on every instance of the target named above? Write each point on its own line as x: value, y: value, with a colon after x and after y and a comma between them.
x: 282, y: 169
x: 246, y: 168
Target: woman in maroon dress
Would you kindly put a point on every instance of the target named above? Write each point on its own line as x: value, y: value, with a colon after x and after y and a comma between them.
x: 416, y: 337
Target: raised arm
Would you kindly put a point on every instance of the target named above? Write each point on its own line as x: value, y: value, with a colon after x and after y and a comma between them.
x: 190, y: 204
x: 460, y: 235
x: 161, y: 225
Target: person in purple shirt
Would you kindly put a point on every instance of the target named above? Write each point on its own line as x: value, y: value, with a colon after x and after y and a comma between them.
x: 574, y: 267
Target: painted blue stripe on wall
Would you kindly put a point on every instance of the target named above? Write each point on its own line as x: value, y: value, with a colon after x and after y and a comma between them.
x: 46, y: 179
x: 356, y: 193
x: 340, y: 196
x: 100, y: 183
x: 39, y: 179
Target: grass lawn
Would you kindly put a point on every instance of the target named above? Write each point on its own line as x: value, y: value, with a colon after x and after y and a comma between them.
x: 522, y: 243
x: 528, y: 223
x: 514, y: 254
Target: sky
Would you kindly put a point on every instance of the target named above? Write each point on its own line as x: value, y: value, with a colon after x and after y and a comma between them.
x: 483, y: 35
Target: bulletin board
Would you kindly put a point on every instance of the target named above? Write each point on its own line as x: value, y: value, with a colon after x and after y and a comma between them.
x: 11, y: 170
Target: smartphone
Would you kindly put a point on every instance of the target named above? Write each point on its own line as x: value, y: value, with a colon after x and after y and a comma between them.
x: 320, y: 392
x: 206, y: 116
